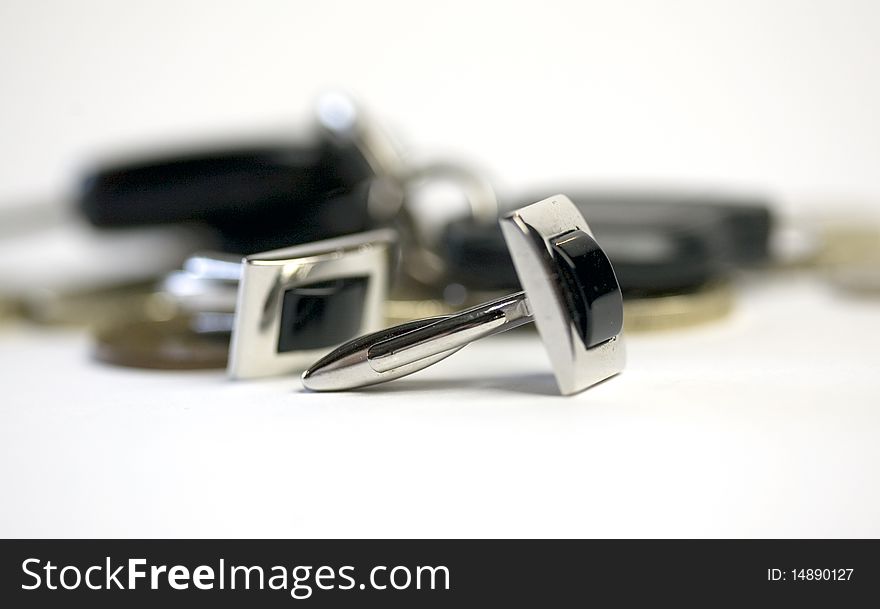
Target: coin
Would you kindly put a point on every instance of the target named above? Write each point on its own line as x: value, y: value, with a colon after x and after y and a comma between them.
x: 862, y: 279
x: 8, y: 308
x: 678, y: 310
x: 180, y: 343
x: 850, y: 243
x: 706, y: 304
x: 850, y: 258
x: 99, y: 305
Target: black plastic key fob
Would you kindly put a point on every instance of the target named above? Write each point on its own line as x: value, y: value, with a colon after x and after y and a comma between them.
x: 257, y: 198
x: 665, y: 242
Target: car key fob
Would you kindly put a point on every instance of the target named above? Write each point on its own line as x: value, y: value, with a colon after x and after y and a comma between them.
x: 275, y: 186
x: 658, y: 243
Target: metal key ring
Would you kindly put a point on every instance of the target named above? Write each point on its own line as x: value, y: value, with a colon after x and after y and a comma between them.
x: 391, y: 193
x: 422, y: 258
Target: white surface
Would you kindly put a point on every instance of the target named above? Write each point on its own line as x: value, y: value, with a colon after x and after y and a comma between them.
x: 763, y: 425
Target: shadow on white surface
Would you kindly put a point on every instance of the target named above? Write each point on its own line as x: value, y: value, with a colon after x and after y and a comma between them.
x: 533, y: 384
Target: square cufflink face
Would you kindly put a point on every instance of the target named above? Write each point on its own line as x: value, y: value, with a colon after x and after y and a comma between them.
x: 295, y: 304
x: 572, y: 290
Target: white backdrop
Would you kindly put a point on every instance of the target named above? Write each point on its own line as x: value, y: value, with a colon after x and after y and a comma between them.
x: 772, y: 95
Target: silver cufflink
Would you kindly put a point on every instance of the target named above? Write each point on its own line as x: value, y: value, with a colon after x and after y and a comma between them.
x: 287, y: 307
x: 570, y: 292
x: 296, y: 303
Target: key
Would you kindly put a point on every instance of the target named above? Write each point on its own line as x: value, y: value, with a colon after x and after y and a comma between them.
x: 658, y: 243
x: 257, y: 197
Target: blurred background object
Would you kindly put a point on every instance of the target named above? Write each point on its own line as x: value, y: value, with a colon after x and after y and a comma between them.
x: 201, y: 139
x: 777, y: 96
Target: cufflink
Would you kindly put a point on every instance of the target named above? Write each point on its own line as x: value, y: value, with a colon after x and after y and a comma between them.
x: 296, y: 303
x: 570, y: 292
x: 268, y: 314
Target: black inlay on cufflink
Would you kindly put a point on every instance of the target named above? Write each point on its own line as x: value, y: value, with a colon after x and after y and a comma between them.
x: 321, y: 314
x: 592, y: 293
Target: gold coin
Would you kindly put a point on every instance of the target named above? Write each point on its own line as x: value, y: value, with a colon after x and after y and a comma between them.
x: 130, y: 302
x: 849, y: 243
x: 643, y: 314
x: 681, y: 310
x: 850, y: 257
x: 398, y: 311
